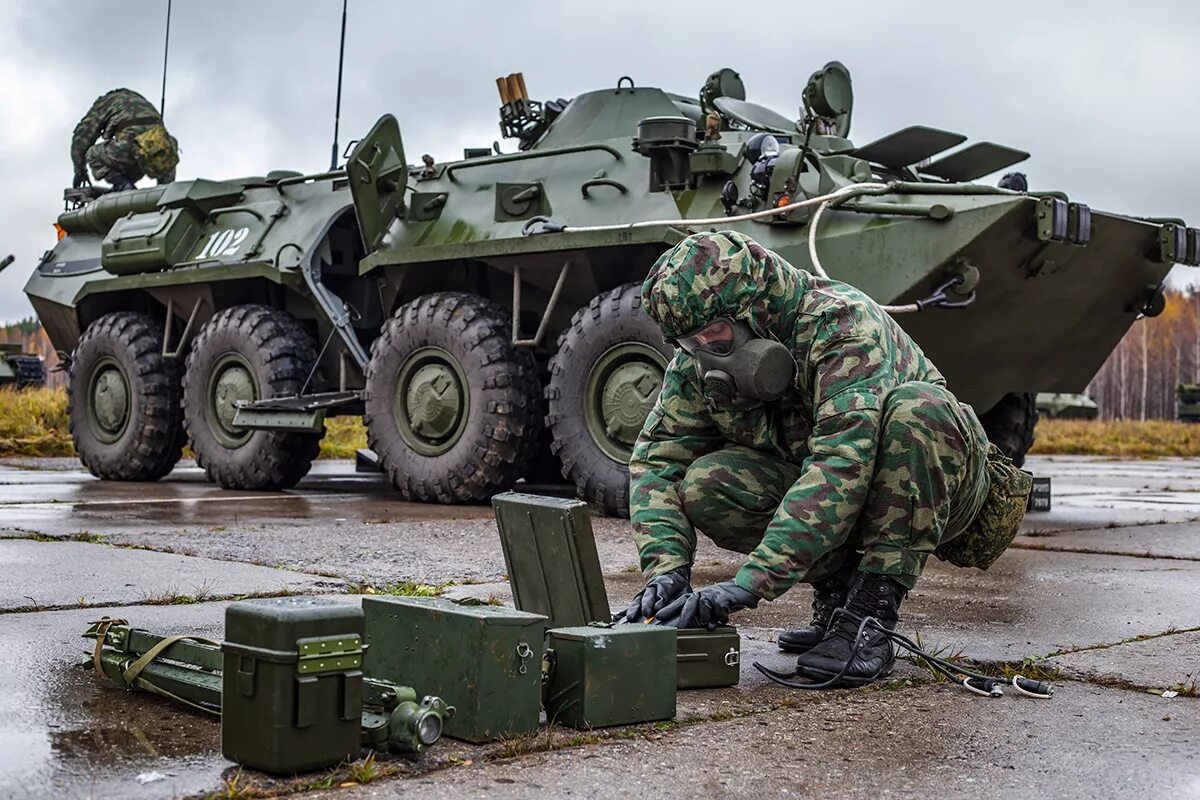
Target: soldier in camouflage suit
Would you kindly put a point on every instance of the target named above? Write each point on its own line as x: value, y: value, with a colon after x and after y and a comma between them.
x: 848, y: 481
x: 122, y: 138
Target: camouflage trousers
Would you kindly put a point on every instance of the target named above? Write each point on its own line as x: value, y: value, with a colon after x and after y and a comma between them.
x: 929, y: 481
x: 113, y: 160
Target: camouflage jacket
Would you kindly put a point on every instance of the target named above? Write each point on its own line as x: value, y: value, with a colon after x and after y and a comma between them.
x: 112, y: 113
x: 849, y: 354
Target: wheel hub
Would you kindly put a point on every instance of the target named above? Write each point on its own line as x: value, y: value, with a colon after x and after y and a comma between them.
x: 432, y: 400
x: 621, y: 390
x: 109, y: 402
x: 628, y: 396
x: 232, y: 383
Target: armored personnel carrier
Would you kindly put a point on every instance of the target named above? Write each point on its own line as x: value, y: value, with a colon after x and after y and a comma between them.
x: 483, y: 315
x: 20, y: 370
x: 1188, y: 395
x: 1063, y: 405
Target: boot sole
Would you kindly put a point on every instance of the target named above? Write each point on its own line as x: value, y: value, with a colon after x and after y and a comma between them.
x: 796, y: 649
x: 820, y: 675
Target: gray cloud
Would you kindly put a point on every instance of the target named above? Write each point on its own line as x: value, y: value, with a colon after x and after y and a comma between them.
x: 1100, y: 93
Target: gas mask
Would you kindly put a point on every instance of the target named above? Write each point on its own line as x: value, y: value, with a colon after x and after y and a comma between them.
x: 735, y: 363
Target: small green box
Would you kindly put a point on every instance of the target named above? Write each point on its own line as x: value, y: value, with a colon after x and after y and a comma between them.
x: 708, y: 659
x: 292, y: 683
x: 486, y: 661
x: 618, y: 675
x: 150, y: 241
x: 551, y: 558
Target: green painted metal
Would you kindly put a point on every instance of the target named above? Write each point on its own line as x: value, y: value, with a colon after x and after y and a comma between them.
x: 1063, y: 405
x: 254, y: 419
x: 621, y: 388
x: 709, y: 659
x: 110, y: 401
x: 550, y: 555
x: 230, y: 383
x: 285, y: 707
x: 602, y: 676
x: 191, y: 671
x: 484, y: 660
x: 380, y: 233
x: 1189, y: 402
x: 432, y: 396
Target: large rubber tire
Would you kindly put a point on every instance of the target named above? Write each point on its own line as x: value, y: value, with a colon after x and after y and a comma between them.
x: 453, y: 407
x: 123, y: 400
x: 1010, y: 424
x: 612, y: 346
x: 249, y: 352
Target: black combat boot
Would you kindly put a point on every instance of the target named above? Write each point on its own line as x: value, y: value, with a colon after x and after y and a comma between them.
x: 828, y: 596
x: 875, y: 596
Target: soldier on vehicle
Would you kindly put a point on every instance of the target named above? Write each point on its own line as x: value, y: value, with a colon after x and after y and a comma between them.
x: 799, y: 424
x: 122, y: 139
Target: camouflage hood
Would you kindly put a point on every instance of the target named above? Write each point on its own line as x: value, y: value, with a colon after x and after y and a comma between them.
x: 723, y: 274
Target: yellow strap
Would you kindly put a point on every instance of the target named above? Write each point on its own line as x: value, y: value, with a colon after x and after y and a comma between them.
x: 135, y: 669
x: 104, y: 624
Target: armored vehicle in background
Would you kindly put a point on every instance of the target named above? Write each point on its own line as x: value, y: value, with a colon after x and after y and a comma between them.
x: 1063, y: 405
x: 19, y: 370
x: 1189, y: 402
x: 484, y: 315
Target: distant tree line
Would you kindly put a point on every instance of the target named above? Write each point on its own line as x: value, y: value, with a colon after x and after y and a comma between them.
x: 1138, y: 380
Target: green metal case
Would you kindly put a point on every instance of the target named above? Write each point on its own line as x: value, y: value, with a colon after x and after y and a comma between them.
x: 150, y: 241
x: 708, y: 659
x: 292, y: 683
x: 616, y: 675
x: 551, y: 558
x: 483, y: 660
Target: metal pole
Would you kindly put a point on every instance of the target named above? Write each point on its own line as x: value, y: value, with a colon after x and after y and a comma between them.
x: 162, y: 103
x: 337, y: 109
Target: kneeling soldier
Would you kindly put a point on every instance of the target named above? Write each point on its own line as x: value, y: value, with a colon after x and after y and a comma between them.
x: 122, y: 138
x: 799, y: 424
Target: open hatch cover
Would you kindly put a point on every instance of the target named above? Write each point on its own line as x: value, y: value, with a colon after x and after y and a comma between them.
x: 974, y: 162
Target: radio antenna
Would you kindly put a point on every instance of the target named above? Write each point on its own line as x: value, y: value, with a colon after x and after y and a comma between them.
x: 337, y: 108
x: 162, y: 104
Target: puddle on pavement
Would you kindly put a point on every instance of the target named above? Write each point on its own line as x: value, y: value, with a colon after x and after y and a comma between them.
x: 89, y: 740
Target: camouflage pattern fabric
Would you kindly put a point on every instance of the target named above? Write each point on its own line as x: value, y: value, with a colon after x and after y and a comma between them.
x: 868, y: 449
x: 997, y: 523
x: 106, y: 138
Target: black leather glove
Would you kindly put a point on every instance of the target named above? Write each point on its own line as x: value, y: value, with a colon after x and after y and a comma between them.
x: 81, y: 179
x: 658, y: 592
x: 707, y: 608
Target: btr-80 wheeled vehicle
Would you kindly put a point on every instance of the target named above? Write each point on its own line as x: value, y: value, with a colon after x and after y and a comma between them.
x: 484, y: 317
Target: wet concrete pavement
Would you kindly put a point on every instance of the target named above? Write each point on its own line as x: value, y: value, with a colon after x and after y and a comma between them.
x: 1103, y: 589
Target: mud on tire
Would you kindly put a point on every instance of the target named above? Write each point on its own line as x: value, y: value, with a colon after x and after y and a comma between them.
x: 603, y: 380
x: 248, y: 352
x: 123, y: 400
x: 1010, y: 424
x: 452, y: 407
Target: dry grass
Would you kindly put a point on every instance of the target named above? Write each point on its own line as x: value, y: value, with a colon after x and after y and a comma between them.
x: 343, y: 435
x: 33, y: 422
x: 1127, y: 439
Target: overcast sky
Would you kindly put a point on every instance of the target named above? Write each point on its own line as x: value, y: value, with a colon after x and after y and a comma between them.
x: 1102, y: 93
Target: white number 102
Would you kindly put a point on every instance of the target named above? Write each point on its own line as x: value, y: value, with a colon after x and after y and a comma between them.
x: 224, y: 243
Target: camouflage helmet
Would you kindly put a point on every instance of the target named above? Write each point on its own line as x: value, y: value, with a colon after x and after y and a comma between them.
x: 157, y: 152
x: 722, y: 274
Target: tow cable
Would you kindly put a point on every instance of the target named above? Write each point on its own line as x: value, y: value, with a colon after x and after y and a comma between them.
x: 974, y: 682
